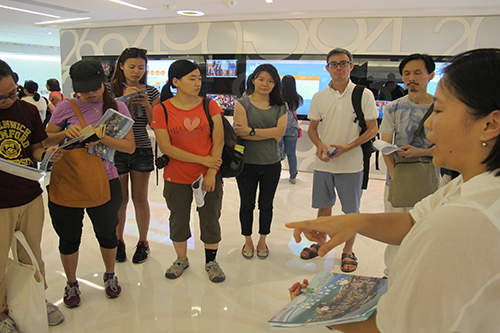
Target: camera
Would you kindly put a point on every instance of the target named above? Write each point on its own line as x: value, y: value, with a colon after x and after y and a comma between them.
x: 161, y: 161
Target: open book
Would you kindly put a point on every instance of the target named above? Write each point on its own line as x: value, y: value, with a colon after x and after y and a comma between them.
x: 117, y: 126
x: 92, y: 134
x: 332, y: 298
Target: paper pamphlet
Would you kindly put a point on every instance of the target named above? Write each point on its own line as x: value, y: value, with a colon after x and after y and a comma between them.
x: 117, y: 126
x: 45, y: 162
x: 385, y: 147
x: 332, y: 298
x: 135, y: 109
x: 21, y: 170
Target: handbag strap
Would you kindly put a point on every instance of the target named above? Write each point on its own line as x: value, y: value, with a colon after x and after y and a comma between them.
x: 78, y: 112
x: 19, y: 236
x: 421, y: 125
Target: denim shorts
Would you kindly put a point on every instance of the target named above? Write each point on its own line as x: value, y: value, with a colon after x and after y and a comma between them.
x: 347, y: 185
x: 140, y: 160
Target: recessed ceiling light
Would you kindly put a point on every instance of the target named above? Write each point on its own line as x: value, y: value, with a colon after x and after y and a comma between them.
x: 128, y: 4
x: 190, y: 12
x: 28, y: 11
x: 64, y: 20
x: 269, y: 1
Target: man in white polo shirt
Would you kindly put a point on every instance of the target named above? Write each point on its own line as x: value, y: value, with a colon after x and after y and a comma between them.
x: 343, y: 170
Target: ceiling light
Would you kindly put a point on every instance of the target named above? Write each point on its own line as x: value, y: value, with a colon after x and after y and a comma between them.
x: 128, y: 4
x: 190, y: 12
x: 64, y: 20
x: 269, y: 1
x: 28, y: 11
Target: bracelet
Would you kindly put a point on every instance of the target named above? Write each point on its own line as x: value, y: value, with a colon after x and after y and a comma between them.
x: 43, y: 155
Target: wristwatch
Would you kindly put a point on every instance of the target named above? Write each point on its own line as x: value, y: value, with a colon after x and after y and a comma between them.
x: 252, y: 132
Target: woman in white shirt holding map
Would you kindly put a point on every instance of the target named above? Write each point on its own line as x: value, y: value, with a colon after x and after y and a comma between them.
x: 446, y: 274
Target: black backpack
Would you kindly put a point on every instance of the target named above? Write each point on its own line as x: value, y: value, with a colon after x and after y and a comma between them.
x: 232, y: 160
x: 367, y: 147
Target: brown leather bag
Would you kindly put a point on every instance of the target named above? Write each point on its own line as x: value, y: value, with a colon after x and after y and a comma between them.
x: 79, y: 179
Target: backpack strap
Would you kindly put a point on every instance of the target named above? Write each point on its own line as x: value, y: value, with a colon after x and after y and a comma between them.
x: 156, y: 142
x: 206, y: 107
x: 421, y: 125
x: 357, y: 94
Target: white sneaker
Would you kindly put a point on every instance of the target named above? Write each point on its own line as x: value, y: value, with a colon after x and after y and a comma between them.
x: 199, y: 192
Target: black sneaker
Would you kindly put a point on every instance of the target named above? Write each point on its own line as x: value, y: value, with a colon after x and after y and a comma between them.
x: 121, y: 255
x: 141, y: 252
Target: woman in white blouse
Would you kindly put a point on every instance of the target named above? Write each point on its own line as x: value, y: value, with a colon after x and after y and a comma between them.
x: 446, y: 274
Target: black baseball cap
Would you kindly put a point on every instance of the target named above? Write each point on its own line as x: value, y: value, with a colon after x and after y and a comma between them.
x: 86, y: 75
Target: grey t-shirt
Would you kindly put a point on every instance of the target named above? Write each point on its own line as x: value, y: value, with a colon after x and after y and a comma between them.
x: 263, y: 151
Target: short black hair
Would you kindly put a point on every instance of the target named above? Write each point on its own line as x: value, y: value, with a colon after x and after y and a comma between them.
x: 430, y: 65
x: 5, y: 70
x: 338, y: 50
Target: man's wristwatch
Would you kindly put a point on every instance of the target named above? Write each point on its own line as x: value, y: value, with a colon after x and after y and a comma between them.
x: 252, y: 132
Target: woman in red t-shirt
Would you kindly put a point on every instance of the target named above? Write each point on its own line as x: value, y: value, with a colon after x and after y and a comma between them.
x: 195, y: 157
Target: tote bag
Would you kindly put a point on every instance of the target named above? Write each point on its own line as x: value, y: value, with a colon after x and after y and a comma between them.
x: 25, y: 296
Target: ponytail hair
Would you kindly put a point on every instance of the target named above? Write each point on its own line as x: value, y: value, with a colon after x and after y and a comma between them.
x: 178, y: 70
x: 32, y: 87
x: 108, y: 102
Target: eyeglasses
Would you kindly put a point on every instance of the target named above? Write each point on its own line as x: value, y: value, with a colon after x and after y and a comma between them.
x: 12, y: 95
x: 135, y: 51
x: 343, y: 64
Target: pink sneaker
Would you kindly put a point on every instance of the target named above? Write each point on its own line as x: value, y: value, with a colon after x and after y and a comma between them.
x: 111, y: 287
x: 72, y: 296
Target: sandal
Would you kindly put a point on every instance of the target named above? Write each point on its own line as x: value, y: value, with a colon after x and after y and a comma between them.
x: 352, y: 262
x: 263, y: 254
x: 248, y: 254
x: 215, y: 273
x: 310, y: 253
x: 178, y: 266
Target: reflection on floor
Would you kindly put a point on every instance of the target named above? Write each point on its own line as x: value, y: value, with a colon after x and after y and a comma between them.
x: 253, y: 291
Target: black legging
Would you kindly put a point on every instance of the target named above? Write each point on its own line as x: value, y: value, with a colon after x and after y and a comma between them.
x: 266, y: 177
x: 68, y: 221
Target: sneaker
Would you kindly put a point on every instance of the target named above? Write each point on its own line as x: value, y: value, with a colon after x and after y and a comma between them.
x: 54, y: 315
x: 121, y: 255
x: 72, y: 296
x: 141, y: 252
x: 174, y: 271
x: 199, y: 193
x: 215, y: 273
x: 292, y: 181
x: 111, y: 287
x: 7, y: 325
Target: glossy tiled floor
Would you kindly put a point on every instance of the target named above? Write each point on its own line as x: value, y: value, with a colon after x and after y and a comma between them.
x: 252, y: 293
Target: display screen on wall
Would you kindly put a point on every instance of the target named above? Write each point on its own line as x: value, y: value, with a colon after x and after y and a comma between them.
x: 158, y: 72
x: 310, y: 76
x: 438, y: 74
x: 222, y: 68
x: 225, y: 101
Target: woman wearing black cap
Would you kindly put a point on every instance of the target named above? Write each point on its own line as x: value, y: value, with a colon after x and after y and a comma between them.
x: 195, y: 152
x: 94, y: 99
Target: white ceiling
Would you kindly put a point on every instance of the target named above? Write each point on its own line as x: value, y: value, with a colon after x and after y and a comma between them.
x: 19, y: 27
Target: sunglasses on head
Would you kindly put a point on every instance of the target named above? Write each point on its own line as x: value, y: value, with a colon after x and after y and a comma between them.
x: 134, y: 52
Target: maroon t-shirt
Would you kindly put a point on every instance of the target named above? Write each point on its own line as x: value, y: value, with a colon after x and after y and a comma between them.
x: 20, y: 126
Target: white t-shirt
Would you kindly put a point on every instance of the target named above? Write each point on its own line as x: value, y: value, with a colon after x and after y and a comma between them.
x: 336, y: 113
x: 41, y: 104
x: 446, y: 274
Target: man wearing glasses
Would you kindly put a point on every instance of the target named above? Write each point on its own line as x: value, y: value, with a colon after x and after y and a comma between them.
x: 21, y: 203
x: 339, y: 158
